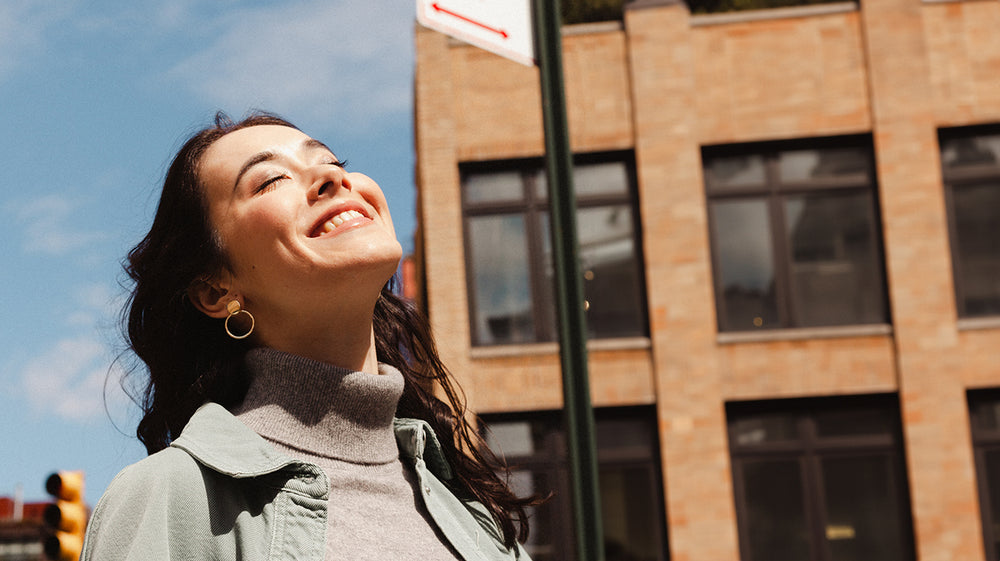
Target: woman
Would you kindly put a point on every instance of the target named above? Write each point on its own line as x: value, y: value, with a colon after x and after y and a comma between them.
x: 290, y: 411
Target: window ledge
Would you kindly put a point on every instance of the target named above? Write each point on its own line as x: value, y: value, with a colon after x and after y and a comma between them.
x: 972, y: 324
x: 537, y: 349
x: 804, y: 333
x: 744, y: 16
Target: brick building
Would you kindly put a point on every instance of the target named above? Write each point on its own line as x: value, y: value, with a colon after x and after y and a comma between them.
x: 790, y: 232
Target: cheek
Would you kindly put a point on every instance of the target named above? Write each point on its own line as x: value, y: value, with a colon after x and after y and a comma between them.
x: 373, y: 195
x: 250, y: 237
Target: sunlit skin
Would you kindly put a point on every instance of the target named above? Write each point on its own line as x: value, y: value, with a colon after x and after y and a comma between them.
x: 272, y: 193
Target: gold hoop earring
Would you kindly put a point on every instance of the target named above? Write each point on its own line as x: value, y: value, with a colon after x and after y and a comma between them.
x: 234, y: 310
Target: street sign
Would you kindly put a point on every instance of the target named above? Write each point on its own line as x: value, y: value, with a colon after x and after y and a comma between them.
x: 499, y: 26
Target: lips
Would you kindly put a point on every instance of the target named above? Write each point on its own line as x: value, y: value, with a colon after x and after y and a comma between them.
x: 333, y: 221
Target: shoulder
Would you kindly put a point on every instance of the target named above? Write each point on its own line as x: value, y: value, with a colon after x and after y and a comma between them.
x: 152, y: 485
x: 169, y: 471
x: 144, y: 504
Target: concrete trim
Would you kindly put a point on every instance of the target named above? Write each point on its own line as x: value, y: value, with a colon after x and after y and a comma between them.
x: 973, y: 324
x: 609, y: 26
x: 804, y: 333
x: 538, y: 349
x: 702, y: 20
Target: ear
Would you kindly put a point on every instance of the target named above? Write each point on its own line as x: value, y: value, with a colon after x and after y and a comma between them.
x: 211, y: 296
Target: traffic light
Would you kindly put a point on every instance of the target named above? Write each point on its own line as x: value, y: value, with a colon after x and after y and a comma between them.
x: 66, y: 518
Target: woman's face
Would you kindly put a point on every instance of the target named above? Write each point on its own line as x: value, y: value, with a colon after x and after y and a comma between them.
x: 294, y: 225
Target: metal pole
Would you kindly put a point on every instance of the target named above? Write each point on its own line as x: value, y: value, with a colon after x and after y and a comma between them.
x: 578, y: 413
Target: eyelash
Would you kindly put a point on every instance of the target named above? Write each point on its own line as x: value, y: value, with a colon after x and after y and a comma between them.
x: 270, y: 183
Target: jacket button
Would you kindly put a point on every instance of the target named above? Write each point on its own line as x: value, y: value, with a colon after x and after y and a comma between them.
x: 427, y: 489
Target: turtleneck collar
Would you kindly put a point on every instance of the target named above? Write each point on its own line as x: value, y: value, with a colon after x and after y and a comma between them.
x: 322, y: 410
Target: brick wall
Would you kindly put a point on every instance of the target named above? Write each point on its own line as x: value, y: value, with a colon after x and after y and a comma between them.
x: 664, y: 83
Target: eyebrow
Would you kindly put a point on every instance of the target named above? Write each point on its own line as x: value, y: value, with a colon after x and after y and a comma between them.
x: 267, y: 155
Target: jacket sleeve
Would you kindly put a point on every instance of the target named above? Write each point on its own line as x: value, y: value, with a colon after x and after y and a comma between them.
x: 153, y: 510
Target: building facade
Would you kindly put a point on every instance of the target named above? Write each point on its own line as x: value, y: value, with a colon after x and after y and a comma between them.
x: 790, y: 236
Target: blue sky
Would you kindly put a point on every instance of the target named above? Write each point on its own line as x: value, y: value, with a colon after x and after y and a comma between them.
x: 94, y: 99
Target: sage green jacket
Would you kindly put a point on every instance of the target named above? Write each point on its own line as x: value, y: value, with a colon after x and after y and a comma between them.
x: 220, y: 491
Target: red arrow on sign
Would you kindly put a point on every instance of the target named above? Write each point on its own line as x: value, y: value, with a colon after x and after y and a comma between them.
x: 437, y: 7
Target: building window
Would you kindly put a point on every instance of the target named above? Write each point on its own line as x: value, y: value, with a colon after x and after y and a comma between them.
x: 820, y: 479
x: 717, y: 6
x: 795, y: 234
x: 970, y: 163
x: 984, y: 413
x: 631, y: 491
x: 509, y: 257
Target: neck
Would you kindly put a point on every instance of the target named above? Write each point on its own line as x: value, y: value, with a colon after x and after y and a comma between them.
x: 347, y: 342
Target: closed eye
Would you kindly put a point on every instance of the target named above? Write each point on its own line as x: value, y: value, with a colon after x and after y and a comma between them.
x: 270, y: 183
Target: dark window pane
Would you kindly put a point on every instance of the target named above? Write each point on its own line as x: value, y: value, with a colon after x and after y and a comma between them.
x: 736, y: 171
x: 542, y: 544
x: 742, y: 239
x: 829, y: 164
x: 991, y: 459
x: 502, y: 311
x: 836, y: 277
x: 630, y: 513
x: 970, y: 151
x: 629, y: 435
x: 775, y: 512
x: 977, y: 227
x: 611, y: 275
x: 862, y: 509
x: 492, y: 187
x: 986, y: 415
x: 853, y: 422
x: 766, y: 427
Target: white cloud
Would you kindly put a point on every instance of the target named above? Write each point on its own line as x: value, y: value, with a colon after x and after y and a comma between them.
x: 51, y: 226
x: 345, y: 60
x: 23, y: 27
x: 74, y: 376
x: 68, y: 379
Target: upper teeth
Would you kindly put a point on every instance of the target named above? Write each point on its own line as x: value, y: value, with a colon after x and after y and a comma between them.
x: 332, y: 223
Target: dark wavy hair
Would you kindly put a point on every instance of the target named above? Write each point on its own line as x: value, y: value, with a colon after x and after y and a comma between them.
x: 191, y: 361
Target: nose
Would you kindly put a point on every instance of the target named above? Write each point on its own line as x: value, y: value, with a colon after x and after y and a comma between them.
x: 327, y: 181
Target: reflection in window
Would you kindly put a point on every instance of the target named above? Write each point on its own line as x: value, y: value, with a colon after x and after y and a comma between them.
x: 795, y: 236
x: 971, y: 167
x: 742, y: 236
x: 820, y: 479
x: 498, y: 251
x: 510, y: 267
x: 629, y: 480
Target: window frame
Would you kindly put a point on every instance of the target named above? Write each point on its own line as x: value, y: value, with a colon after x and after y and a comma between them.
x: 533, y: 207
x: 774, y: 192
x: 552, y: 459
x: 958, y: 178
x: 809, y: 449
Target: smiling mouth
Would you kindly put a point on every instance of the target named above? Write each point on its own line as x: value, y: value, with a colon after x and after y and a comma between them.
x: 336, y: 221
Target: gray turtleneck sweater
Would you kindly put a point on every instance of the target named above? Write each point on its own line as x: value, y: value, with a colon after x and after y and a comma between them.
x: 341, y: 421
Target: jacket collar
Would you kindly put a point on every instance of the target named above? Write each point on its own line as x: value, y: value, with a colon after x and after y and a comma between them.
x: 218, y: 440
x: 221, y: 442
